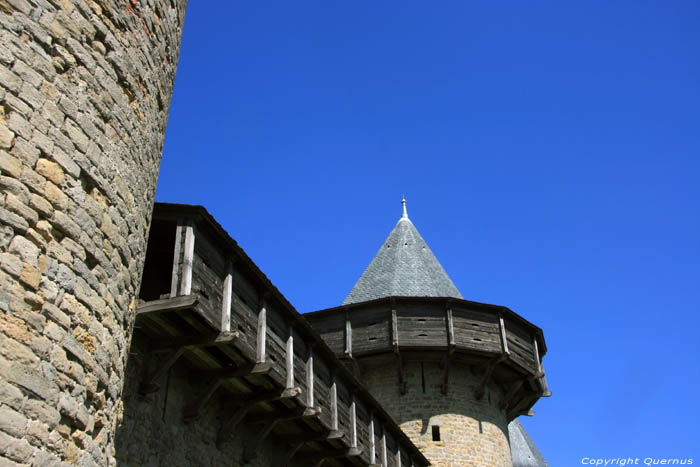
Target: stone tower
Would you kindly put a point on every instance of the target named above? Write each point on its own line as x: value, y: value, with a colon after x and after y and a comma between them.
x: 85, y: 87
x: 452, y: 373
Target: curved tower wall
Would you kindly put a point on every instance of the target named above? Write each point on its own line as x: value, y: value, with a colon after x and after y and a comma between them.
x: 85, y: 88
x: 472, y: 432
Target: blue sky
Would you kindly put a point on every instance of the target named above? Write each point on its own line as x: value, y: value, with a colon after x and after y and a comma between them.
x: 549, y: 152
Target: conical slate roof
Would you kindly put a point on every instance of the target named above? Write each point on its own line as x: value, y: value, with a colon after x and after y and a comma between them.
x: 522, y: 449
x: 403, y: 266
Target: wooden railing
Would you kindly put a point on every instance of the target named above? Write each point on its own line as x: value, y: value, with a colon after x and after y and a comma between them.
x: 230, y: 294
x: 398, y: 325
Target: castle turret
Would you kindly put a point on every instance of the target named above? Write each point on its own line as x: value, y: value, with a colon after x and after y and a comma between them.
x: 453, y: 373
x: 85, y: 89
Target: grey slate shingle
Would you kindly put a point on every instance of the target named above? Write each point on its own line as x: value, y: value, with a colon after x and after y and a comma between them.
x: 403, y: 266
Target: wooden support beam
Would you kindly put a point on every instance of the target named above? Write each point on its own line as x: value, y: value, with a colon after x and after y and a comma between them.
x: 252, y: 447
x: 289, y: 357
x: 451, y: 347
x: 310, y: 376
x: 176, y: 259
x: 291, y: 452
x: 195, y: 409
x: 242, y: 405
x: 313, y: 436
x: 518, y: 408
x: 396, y: 347
x: 260, y: 354
x: 402, y: 379
x: 298, y: 441
x: 288, y: 414
x: 187, y: 259
x: 226, y: 299
x: 515, y: 387
x: 481, y: 387
x: 167, y: 304
x: 149, y: 384
x: 446, y: 372
x: 332, y: 453
x: 195, y: 342
x: 242, y: 371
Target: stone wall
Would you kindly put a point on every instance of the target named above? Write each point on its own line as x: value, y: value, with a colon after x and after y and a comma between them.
x: 85, y: 87
x: 472, y: 432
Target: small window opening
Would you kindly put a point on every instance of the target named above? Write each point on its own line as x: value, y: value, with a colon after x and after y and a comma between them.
x: 436, y: 433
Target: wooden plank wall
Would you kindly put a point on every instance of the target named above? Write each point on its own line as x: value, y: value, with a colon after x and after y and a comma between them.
x: 210, y: 267
x: 424, y: 326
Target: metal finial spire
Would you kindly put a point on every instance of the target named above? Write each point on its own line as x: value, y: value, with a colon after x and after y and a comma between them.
x: 405, y: 213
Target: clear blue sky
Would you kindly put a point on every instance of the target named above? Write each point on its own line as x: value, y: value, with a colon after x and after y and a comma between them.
x: 549, y: 152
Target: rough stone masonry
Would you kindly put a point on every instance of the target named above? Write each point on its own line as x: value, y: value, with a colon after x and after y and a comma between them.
x: 85, y: 87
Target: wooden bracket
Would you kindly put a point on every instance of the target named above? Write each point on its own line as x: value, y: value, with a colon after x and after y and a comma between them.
x: 451, y: 347
x: 481, y: 387
x: 253, y: 447
x: 402, y: 379
x: 396, y: 347
x: 149, y: 384
x: 247, y: 369
x: 244, y: 404
x: 319, y: 459
x: 188, y: 343
x: 194, y: 410
x: 511, y: 392
x: 297, y: 442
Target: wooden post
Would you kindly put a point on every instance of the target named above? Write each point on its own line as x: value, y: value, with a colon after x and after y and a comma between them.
x: 186, y: 284
x: 262, y: 332
x: 450, y: 348
x: 394, y: 331
x: 226, y: 299
x: 504, y: 337
x: 353, y: 423
x: 290, y: 357
x: 397, y: 350
x: 450, y: 328
x: 537, y: 354
x: 334, y: 403
x: 310, y: 377
x: 372, y: 447
x: 384, y: 458
x: 348, y: 336
x: 176, y: 260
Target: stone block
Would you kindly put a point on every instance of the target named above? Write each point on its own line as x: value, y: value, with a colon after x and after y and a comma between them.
x: 6, y: 137
x: 19, y: 207
x: 30, y: 276
x: 51, y: 171
x: 25, y: 249
x: 12, y: 422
